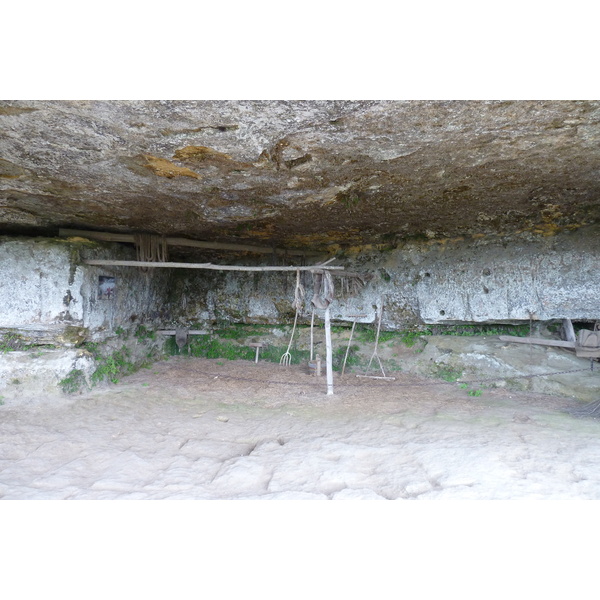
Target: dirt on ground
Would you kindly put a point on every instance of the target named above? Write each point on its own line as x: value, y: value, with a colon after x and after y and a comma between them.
x: 192, y: 428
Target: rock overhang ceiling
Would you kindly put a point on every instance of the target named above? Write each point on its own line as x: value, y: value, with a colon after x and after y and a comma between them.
x: 300, y: 174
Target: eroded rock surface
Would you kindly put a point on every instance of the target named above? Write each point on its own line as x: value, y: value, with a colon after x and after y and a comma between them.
x: 307, y: 174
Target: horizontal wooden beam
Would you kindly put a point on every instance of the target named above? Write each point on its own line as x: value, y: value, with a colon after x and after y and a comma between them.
x: 537, y: 341
x: 104, y: 236
x: 189, y: 332
x: 179, y: 265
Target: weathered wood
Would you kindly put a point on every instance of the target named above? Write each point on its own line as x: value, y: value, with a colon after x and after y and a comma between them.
x: 105, y: 236
x: 190, y: 332
x: 377, y: 377
x: 258, y: 346
x: 580, y: 351
x: 348, y: 348
x: 329, y: 260
x: 178, y: 265
x: 568, y: 333
x: 329, y: 356
x: 375, y: 353
x: 539, y: 341
x: 312, y: 324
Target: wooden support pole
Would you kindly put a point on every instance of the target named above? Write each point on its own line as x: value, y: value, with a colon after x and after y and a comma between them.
x: 178, y: 265
x: 312, y: 325
x: 177, y: 241
x: 329, y: 356
x: 568, y: 331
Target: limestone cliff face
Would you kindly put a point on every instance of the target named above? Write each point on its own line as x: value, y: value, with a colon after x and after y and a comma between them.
x: 475, y: 281
x: 49, y: 293
x: 306, y: 174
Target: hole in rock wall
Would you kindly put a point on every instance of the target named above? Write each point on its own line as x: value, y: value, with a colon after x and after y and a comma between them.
x: 106, y: 287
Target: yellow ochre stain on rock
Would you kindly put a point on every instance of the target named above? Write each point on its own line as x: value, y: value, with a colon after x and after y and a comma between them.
x: 198, y: 153
x: 165, y: 168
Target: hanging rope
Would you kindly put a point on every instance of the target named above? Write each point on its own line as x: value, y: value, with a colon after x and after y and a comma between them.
x: 151, y: 248
x: 299, y: 294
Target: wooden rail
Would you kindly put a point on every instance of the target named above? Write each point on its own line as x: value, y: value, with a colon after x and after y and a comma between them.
x: 104, y: 236
x: 190, y: 332
x: 179, y: 265
x: 536, y: 341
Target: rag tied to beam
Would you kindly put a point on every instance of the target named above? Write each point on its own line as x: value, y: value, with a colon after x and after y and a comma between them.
x: 324, y: 291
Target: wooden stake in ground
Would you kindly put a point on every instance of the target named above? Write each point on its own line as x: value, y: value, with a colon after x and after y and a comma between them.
x: 329, y: 356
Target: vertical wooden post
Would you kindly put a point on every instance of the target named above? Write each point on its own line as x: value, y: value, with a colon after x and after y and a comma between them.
x: 568, y: 333
x: 312, y: 325
x: 329, y: 353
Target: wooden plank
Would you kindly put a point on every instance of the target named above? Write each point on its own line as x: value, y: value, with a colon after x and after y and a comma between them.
x: 101, y: 236
x: 178, y: 265
x: 190, y: 332
x: 538, y: 341
x: 105, y: 236
x: 329, y: 353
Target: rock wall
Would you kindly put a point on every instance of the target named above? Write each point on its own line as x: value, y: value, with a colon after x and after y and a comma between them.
x: 48, y: 293
x: 480, y: 280
x: 489, y: 280
x: 51, y: 302
x: 49, y: 296
x: 46, y: 286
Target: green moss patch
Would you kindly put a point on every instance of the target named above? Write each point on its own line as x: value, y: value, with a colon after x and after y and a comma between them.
x: 73, y: 382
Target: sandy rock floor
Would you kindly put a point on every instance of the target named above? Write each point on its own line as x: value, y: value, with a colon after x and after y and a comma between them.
x: 208, y: 429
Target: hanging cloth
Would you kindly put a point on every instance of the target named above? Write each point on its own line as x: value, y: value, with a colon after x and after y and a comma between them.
x: 324, y: 290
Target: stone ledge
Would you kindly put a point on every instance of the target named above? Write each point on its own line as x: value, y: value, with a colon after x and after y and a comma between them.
x: 36, y: 375
x: 45, y: 334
